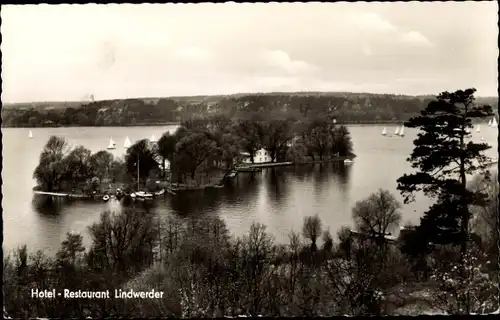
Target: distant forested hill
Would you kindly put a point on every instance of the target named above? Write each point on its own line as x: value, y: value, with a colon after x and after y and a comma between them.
x: 346, y: 107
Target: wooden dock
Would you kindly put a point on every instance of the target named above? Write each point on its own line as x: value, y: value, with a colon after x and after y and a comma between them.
x: 62, y: 195
x: 248, y: 169
x: 54, y: 194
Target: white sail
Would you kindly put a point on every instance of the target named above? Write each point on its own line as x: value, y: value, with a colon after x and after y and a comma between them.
x: 478, y: 129
x: 494, y: 123
x: 402, y: 131
x: 153, y: 138
x: 489, y: 123
x: 384, y: 132
x: 30, y: 135
x: 127, y: 143
x: 396, y: 131
x: 482, y: 138
x: 112, y: 144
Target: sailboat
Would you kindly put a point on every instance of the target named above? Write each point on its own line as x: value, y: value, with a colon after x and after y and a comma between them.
x: 490, y: 122
x: 384, y: 132
x: 30, y: 135
x: 494, y: 122
x: 112, y: 144
x: 478, y: 128
x: 153, y: 138
x: 482, y: 138
x: 396, y: 132
x: 402, y: 131
x: 140, y: 195
x: 127, y: 143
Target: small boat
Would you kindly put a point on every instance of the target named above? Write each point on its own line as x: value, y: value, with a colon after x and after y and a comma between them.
x: 144, y: 195
x: 482, y: 138
x: 119, y: 193
x: 402, y: 131
x: 478, y: 128
x: 133, y: 195
x: 396, y: 132
x: 384, y: 132
x: 112, y: 144
x: 159, y: 193
x: 490, y: 122
x: 105, y: 198
x: 127, y: 143
x: 30, y: 135
x: 494, y: 123
x: 232, y: 174
x: 153, y: 138
x: 348, y: 161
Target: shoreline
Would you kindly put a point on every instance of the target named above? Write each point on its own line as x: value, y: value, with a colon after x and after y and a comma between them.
x: 173, y: 188
x: 172, y: 123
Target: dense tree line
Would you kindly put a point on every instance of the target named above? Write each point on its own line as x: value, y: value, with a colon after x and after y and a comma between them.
x: 205, y: 272
x: 196, y: 153
x: 450, y: 257
x: 347, y: 107
x: 62, y: 168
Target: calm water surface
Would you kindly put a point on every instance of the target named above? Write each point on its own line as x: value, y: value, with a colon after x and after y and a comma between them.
x: 280, y: 197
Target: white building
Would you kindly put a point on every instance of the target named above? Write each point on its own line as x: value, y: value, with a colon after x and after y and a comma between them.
x: 261, y: 156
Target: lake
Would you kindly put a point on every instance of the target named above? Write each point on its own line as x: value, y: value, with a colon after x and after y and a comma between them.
x: 279, y: 197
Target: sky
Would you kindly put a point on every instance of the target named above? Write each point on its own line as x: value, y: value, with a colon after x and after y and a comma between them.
x: 69, y: 52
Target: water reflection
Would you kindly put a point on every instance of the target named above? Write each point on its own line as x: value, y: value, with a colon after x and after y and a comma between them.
x: 46, y: 205
x: 277, y: 187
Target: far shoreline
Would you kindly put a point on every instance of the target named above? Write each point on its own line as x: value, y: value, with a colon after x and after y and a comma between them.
x: 375, y: 122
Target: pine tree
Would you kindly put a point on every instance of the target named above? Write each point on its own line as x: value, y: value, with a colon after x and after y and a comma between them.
x: 443, y: 158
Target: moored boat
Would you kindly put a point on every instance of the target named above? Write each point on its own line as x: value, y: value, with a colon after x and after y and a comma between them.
x: 30, y: 135
x: 105, y: 198
x: 144, y: 195
x: 159, y: 193
x: 119, y: 193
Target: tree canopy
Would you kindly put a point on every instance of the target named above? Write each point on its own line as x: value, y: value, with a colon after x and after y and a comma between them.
x: 442, y: 159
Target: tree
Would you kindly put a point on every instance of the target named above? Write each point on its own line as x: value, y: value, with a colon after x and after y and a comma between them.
x: 229, y: 148
x: 71, y: 249
x: 140, y: 155
x: 443, y: 158
x: 486, y: 217
x: 341, y: 142
x: 377, y: 215
x: 166, y: 148
x: 318, y: 137
x: 122, y: 242
x: 50, y: 169
x: 193, y: 150
x: 250, y: 136
x: 278, y: 134
x: 101, y: 164
x: 77, y: 165
x: 311, y: 229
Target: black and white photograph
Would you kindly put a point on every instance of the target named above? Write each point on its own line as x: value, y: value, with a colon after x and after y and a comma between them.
x: 250, y: 160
